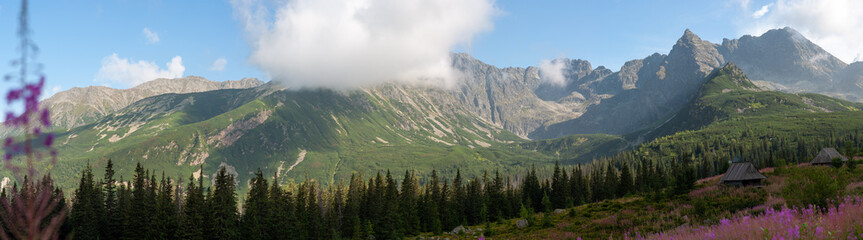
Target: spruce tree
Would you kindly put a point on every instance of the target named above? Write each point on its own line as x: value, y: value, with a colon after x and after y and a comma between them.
x: 532, y: 191
x: 193, y: 211
x: 626, y: 185
x: 141, y: 210
x: 87, y: 208
x: 256, y: 209
x: 314, y: 223
x: 223, y: 207
x: 166, y: 218
x: 559, y: 187
x: 113, y: 217
x: 612, y: 181
x: 408, y: 204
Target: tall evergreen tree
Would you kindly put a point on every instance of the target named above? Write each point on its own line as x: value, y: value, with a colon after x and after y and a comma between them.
x: 256, y: 209
x: 223, y: 207
x: 626, y: 185
x: 408, y: 204
x: 532, y: 191
x: 192, y: 224
x: 559, y: 187
x: 113, y: 217
x: 166, y: 217
x: 87, y: 213
x: 141, y: 207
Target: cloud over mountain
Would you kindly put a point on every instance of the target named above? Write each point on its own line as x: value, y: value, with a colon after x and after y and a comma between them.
x: 353, y: 43
x: 128, y: 72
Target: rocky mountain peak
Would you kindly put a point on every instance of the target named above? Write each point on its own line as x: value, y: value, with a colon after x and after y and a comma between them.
x: 786, y: 57
x: 692, y: 50
x: 689, y: 36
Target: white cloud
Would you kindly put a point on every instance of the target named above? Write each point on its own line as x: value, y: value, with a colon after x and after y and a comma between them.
x: 834, y: 25
x: 552, y: 71
x: 54, y: 90
x: 354, y: 43
x: 127, y: 72
x: 761, y: 12
x: 219, y: 64
x: 151, y: 36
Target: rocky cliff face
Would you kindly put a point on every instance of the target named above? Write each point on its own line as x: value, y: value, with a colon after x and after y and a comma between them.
x: 650, y: 90
x: 79, y: 106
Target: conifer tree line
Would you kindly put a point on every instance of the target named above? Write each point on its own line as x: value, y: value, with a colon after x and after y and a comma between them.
x: 383, y: 205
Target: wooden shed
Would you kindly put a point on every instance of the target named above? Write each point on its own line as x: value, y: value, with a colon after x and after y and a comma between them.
x: 742, y: 174
x: 825, y: 157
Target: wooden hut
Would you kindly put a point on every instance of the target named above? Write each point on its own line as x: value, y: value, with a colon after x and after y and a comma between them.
x: 742, y: 174
x: 825, y: 157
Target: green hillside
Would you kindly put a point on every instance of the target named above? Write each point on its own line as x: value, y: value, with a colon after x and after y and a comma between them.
x: 579, y: 148
x: 320, y: 134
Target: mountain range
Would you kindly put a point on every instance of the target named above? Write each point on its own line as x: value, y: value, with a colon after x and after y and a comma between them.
x: 495, y: 118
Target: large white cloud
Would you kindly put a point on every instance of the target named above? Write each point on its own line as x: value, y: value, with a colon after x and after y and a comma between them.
x: 835, y: 25
x: 127, y: 72
x: 354, y: 43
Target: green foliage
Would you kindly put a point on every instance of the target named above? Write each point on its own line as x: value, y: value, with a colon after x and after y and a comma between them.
x: 579, y: 148
x: 87, y: 215
x: 222, y: 207
x: 814, y: 185
x: 836, y: 162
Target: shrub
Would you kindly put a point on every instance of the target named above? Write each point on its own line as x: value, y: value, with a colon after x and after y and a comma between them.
x: 815, y: 186
x: 836, y: 162
x: 851, y: 164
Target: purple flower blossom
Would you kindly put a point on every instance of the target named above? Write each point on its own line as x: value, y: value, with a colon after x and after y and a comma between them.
x: 49, y: 140
x: 46, y: 117
x: 13, y: 95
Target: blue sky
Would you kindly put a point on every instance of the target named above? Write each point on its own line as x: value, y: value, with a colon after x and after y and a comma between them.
x: 77, y: 37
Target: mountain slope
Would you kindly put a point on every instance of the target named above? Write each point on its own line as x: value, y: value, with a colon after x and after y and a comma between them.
x: 321, y: 134
x: 729, y: 94
x: 79, y: 106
